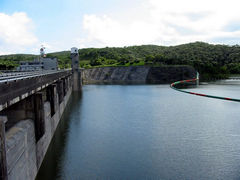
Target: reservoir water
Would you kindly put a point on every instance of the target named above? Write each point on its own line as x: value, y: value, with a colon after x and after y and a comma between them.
x: 147, y: 132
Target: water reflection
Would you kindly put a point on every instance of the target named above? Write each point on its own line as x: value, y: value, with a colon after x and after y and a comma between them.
x: 146, y: 132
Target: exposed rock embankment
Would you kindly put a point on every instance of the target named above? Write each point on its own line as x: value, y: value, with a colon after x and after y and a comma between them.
x: 137, y: 75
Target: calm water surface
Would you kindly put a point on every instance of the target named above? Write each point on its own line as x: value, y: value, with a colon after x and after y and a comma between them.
x: 146, y: 132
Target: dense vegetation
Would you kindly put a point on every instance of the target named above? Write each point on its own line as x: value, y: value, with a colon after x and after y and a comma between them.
x: 12, y: 61
x: 212, y: 61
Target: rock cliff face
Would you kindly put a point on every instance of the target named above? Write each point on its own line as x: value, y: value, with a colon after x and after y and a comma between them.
x: 137, y: 75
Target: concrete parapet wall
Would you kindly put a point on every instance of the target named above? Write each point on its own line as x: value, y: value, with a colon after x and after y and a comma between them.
x: 12, y: 92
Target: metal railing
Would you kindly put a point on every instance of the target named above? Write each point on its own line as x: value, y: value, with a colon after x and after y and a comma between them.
x: 13, y: 76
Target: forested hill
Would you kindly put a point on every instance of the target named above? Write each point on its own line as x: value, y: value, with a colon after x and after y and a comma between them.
x: 214, y: 61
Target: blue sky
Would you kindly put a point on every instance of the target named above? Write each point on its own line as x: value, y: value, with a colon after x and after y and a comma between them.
x: 59, y: 25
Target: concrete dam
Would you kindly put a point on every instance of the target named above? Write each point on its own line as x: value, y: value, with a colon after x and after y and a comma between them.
x: 31, y: 106
x: 137, y: 75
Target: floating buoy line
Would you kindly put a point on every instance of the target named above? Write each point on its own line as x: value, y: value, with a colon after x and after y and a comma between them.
x: 199, y: 94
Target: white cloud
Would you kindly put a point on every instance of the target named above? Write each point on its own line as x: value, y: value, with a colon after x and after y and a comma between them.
x: 165, y: 22
x: 16, y: 33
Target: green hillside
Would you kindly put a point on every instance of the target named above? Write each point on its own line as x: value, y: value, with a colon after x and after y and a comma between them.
x: 212, y: 61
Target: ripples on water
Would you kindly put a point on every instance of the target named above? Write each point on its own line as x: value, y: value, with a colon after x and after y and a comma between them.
x: 147, y: 132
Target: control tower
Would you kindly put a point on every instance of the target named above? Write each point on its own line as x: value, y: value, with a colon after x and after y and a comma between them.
x: 77, y: 80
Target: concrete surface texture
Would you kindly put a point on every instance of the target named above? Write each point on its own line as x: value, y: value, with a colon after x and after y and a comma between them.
x: 137, y: 74
x: 24, y: 153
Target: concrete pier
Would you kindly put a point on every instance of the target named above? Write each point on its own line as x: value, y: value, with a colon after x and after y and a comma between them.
x: 3, y: 159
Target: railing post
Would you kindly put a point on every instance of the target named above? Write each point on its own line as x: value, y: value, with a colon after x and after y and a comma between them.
x: 3, y: 158
x: 197, y: 81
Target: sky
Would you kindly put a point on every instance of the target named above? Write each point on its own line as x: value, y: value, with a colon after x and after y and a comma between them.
x: 58, y: 25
